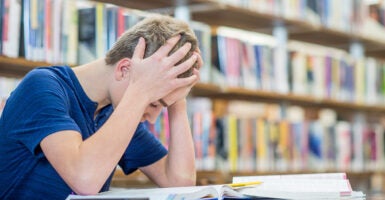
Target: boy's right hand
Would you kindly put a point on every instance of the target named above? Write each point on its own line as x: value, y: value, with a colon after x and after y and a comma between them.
x: 157, y: 74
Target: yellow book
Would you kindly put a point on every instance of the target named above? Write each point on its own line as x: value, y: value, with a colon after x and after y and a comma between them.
x: 261, y: 148
x: 233, y: 142
x: 100, y: 30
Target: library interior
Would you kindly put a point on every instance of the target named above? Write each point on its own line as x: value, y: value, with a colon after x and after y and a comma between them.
x: 287, y: 87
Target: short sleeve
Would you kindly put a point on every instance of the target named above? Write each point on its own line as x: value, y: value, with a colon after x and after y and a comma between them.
x: 39, y: 107
x: 144, y: 149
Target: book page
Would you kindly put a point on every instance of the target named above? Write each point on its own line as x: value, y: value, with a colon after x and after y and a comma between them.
x: 175, y: 193
x: 299, y: 188
x: 240, y: 179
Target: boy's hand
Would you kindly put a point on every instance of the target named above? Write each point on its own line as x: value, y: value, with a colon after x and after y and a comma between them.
x: 180, y: 93
x: 157, y: 74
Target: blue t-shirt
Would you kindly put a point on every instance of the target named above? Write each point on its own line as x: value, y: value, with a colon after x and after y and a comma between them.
x: 48, y: 100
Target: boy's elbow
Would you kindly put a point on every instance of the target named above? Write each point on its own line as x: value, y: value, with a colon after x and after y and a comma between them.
x: 85, y: 186
x: 181, y: 181
x: 191, y: 181
x: 85, y: 190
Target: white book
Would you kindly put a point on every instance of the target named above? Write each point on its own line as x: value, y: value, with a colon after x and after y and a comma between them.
x: 69, y: 32
x: 299, y: 186
x: 56, y: 28
x: 11, y: 44
x: 203, y: 33
x: 370, y: 83
x: 281, y: 72
x: 337, y: 175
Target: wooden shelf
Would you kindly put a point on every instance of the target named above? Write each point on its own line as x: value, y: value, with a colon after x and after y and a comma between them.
x: 237, y: 17
x: 18, y: 67
x: 150, y: 4
x: 136, y: 179
x: 216, y: 92
x: 339, y: 39
x: 139, y: 180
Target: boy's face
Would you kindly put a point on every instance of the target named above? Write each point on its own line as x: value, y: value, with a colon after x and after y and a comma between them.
x: 153, y: 110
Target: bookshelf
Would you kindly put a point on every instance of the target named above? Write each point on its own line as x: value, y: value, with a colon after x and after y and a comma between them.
x: 230, y: 15
x: 216, y: 13
x: 152, y: 4
x: 234, y: 93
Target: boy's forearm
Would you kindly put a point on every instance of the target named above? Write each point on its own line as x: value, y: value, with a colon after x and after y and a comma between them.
x: 181, y: 158
x: 106, y: 146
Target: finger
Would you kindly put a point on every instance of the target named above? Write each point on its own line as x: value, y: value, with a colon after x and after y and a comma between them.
x: 179, y: 54
x: 198, y: 50
x: 183, y: 67
x: 139, y: 49
x: 166, y: 48
x: 196, y: 73
x: 185, y: 82
x: 199, y: 61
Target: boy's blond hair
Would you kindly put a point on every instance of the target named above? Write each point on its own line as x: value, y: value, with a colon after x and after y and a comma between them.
x: 156, y: 30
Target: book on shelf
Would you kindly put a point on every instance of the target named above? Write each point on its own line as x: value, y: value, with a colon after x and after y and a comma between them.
x: 290, y: 186
x: 1, y: 25
x: 255, y: 136
x: 87, y: 32
x: 11, y: 10
x: 203, y: 33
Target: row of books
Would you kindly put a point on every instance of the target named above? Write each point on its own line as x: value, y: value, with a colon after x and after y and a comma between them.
x: 71, y: 31
x: 58, y: 31
x: 255, y: 62
x: 351, y: 16
x: 270, y: 137
x: 332, y: 74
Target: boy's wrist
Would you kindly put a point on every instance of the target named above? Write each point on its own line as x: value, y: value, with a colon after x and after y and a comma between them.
x: 178, y: 105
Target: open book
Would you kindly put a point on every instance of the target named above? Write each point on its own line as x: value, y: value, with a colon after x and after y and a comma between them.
x: 295, y: 186
x: 171, y: 193
x: 300, y: 186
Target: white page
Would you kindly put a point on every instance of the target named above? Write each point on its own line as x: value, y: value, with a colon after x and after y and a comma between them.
x: 153, y: 193
x: 240, y: 179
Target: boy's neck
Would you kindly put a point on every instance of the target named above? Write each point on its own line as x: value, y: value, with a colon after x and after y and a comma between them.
x: 94, y: 77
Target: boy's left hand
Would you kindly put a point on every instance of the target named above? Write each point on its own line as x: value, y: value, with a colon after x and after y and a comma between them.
x: 181, y: 93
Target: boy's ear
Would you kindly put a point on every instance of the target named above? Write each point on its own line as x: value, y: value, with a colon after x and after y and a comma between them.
x: 122, y: 69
